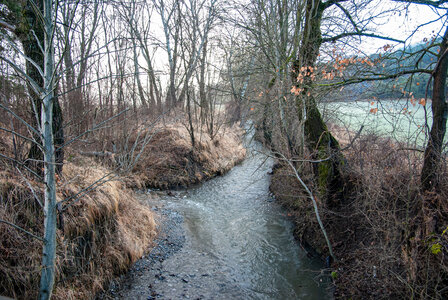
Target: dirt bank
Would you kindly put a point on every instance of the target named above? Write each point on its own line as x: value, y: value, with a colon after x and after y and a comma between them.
x: 99, y: 236
x: 385, y: 233
x: 170, y: 161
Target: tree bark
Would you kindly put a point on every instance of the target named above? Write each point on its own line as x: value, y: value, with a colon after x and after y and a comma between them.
x: 433, y: 152
x: 29, y: 23
x: 319, y: 140
x: 49, y: 249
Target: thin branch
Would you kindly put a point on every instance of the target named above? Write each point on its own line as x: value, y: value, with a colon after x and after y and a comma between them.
x: 7, y: 26
x: 23, y: 230
x: 38, y: 89
x: 31, y: 188
x: 436, y: 4
x: 20, y: 119
x: 316, y: 209
x: 87, y: 189
x: 349, y: 16
x: 21, y: 136
x: 346, y: 34
x: 96, y: 127
x: 354, y: 139
x: 39, y: 44
x: 21, y: 164
x: 14, y: 46
x: 376, y: 77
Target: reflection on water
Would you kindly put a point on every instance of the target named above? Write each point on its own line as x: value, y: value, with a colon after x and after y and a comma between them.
x: 233, y: 219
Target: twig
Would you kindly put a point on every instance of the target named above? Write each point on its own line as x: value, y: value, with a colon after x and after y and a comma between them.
x: 22, y: 165
x: 410, y: 149
x: 354, y: 139
x: 23, y: 230
x: 31, y: 188
x: 96, y: 127
x: 20, y: 119
x: 316, y: 209
x: 85, y: 190
x: 14, y: 133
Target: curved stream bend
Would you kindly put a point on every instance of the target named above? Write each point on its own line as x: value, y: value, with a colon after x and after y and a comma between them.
x: 238, y: 244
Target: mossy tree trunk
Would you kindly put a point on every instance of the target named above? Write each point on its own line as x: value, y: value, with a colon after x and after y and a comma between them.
x: 319, y: 140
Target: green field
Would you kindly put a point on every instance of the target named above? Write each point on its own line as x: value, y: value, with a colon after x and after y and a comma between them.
x: 398, y: 119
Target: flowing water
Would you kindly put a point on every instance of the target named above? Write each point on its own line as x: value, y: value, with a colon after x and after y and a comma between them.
x: 238, y: 242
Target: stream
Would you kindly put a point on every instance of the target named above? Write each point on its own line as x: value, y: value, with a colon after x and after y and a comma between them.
x: 224, y: 239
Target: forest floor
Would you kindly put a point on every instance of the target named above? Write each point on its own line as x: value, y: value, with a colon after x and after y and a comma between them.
x: 109, y: 228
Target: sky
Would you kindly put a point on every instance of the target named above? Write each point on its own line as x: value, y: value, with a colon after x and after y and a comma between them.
x: 402, y: 23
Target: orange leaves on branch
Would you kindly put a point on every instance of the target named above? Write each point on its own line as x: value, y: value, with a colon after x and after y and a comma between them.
x: 296, y: 90
x: 328, y: 75
x: 418, y: 83
x: 306, y: 72
x: 422, y: 101
x: 373, y: 110
x: 412, y: 100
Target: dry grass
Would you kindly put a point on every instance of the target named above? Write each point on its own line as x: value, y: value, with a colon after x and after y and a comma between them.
x: 103, y: 234
x: 383, y: 231
x: 170, y: 161
x: 107, y: 229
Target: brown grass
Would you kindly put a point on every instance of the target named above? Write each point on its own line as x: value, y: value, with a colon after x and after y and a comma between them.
x: 383, y: 231
x: 170, y: 161
x: 103, y: 234
x: 107, y: 229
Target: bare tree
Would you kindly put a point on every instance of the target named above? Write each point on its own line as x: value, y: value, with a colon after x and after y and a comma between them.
x: 78, y: 35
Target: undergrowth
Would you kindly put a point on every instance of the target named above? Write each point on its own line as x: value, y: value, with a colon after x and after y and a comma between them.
x: 389, y: 238
x: 99, y: 236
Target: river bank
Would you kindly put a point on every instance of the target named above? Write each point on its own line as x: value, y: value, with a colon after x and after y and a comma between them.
x: 170, y: 161
x: 107, y: 228
x: 235, y: 242
x: 384, y: 231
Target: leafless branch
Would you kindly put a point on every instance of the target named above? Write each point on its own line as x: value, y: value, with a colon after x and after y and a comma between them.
x: 23, y: 230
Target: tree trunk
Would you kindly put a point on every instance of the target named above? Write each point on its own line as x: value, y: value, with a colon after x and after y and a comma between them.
x: 190, y: 120
x: 319, y: 140
x: 32, y: 50
x: 433, y: 152
x: 49, y: 249
x: 202, y: 95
